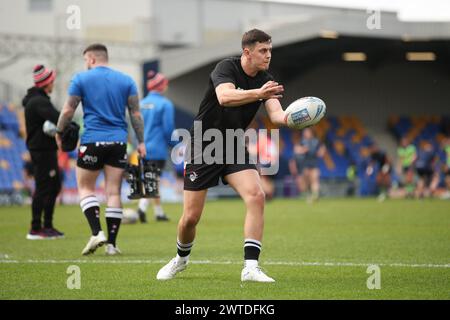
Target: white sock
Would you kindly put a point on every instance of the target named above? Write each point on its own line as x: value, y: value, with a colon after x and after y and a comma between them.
x: 143, y: 204
x: 182, y: 259
x: 158, y: 210
x: 251, y: 263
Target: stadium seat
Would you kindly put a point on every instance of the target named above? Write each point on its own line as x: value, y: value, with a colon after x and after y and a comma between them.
x: 8, y: 119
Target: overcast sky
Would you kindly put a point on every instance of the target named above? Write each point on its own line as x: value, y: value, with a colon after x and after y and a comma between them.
x: 407, y: 10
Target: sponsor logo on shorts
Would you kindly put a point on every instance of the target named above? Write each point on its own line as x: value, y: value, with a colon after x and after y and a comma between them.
x: 90, y: 159
x: 125, y: 159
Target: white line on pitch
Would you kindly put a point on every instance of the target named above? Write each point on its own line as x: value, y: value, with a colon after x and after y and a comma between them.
x: 282, y: 263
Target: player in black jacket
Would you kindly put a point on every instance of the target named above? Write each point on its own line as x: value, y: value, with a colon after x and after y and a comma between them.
x: 43, y: 151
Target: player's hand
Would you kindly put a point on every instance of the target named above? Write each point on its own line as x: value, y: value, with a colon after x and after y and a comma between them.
x: 271, y: 90
x: 141, y: 150
x: 58, y: 141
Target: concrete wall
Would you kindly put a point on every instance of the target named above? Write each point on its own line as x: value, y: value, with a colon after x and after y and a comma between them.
x: 17, y: 18
x: 101, y: 20
x: 187, y: 91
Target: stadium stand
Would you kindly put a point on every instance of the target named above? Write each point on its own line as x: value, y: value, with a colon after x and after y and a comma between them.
x: 12, y: 149
x: 417, y: 128
x: 348, y: 156
x: 348, y: 145
x: 422, y: 129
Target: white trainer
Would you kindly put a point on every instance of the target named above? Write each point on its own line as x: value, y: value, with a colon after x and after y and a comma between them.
x: 111, y: 250
x: 255, y: 274
x: 171, y: 269
x: 94, y: 243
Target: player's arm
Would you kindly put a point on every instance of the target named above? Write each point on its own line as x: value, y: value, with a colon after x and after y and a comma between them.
x: 300, y: 149
x: 229, y: 96
x: 137, y: 122
x: 275, y: 112
x: 67, y: 112
x: 69, y: 107
x: 66, y: 116
x: 321, y: 151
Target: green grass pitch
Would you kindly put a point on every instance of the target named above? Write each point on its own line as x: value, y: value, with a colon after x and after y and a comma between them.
x: 318, y: 251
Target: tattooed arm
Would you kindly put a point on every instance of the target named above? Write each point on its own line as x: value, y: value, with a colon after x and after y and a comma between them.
x: 137, y: 123
x: 66, y: 116
x: 67, y: 112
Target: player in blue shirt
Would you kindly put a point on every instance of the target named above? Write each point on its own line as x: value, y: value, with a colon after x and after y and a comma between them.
x: 105, y: 94
x: 159, y: 116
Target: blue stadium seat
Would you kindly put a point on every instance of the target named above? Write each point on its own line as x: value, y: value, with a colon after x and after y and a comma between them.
x: 8, y: 119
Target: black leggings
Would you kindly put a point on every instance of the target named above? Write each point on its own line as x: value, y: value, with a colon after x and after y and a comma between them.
x: 47, y: 186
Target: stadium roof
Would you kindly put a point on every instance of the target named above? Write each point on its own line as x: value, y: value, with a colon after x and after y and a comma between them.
x: 293, y: 21
x: 407, y: 10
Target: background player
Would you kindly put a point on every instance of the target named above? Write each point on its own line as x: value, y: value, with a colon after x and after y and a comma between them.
x: 105, y: 93
x: 158, y: 113
x: 42, y: 147
x: 309, y: 150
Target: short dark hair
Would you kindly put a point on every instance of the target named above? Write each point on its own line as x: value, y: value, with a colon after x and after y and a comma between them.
x: 253, y: 36
x: 97, y: 48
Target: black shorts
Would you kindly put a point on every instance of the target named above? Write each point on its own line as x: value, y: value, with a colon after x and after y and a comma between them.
x: 93, y: 156
x: 203, y: 176
x: 425, y: 174
x: 311, y: 163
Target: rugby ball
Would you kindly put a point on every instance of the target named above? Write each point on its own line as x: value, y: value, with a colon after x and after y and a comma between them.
x: 130, y: 216
x: 305, y: 112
